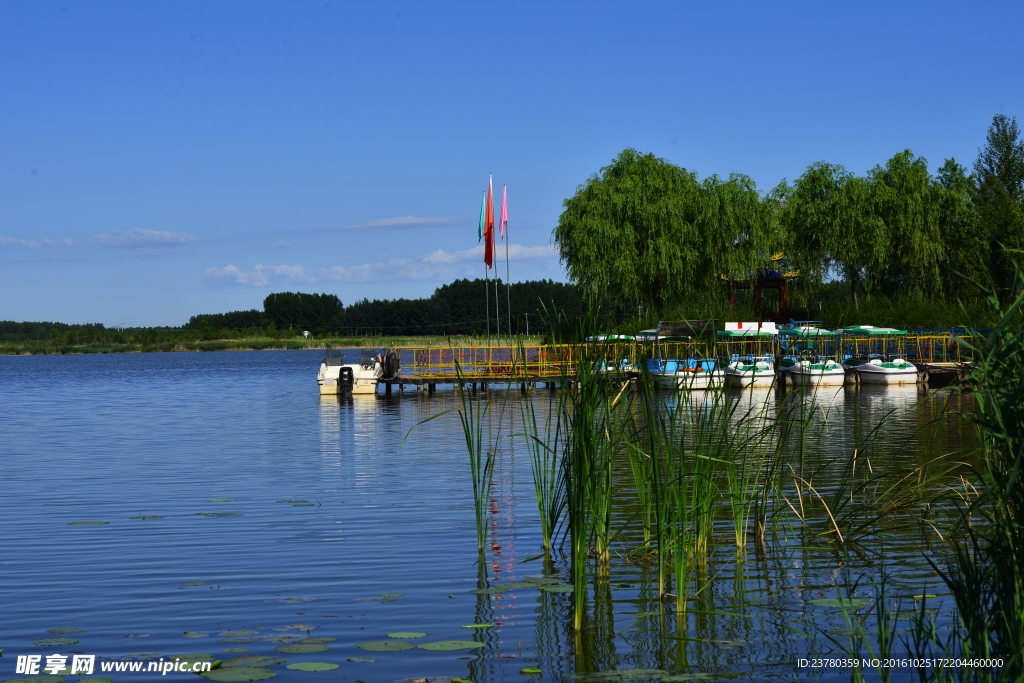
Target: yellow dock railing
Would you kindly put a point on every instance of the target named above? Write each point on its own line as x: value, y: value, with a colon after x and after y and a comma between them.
x: 499, y: 363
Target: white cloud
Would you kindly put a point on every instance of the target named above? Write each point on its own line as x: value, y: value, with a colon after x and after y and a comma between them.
x: 406, y: 222
x: 139, y: 237
x: 437, y: 265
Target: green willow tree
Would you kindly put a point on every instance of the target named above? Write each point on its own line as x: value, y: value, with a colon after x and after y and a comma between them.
x: 645, y: 232
x: 832, y: 229
x: 904, y: 209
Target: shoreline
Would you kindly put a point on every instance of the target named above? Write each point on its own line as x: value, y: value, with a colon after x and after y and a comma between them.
x: 255, y: 344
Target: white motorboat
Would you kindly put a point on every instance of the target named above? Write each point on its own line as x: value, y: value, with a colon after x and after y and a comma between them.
x: 338, y: 377
x: 824, y: 371
x: 744, y: 373
x: 876, y: 371
x: 687, y: 373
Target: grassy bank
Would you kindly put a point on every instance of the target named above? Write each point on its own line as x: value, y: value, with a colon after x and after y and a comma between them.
x: 34, y: 348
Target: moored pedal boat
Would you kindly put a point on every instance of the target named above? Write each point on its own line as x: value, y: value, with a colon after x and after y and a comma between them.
x: 823, y: 371
x: 744, y: 373
x: 876, y: 371
x: 687, y: 373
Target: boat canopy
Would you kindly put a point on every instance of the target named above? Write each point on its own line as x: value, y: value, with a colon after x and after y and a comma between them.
x: 744, y: 333
x: 806, y: 332
x: 686, y: 328
x: 871, y: 329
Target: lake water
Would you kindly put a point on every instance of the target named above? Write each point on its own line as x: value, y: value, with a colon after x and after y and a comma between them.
x: 293, y: 514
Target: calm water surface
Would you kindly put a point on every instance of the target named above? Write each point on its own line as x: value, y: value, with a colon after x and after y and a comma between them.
x: 330, y: 509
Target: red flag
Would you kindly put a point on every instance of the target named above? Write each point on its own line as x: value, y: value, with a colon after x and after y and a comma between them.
x: 489, y: 226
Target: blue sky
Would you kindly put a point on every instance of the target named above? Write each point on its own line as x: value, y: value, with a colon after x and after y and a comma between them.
x: 163, y: 159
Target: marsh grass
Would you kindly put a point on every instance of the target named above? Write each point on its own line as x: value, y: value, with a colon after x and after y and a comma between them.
x: 670, y: 480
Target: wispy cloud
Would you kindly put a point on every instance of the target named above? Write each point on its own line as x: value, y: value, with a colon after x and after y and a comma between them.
x: 406, y: 222
x: 148, y: 253
x: 12, y: 243
x: 282, y: 244
x: 142, y: 238
x: 437, y: 265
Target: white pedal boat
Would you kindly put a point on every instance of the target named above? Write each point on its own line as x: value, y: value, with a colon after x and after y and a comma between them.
x: 741, y: 373
x: 817, y: 372
x: 876, y: 371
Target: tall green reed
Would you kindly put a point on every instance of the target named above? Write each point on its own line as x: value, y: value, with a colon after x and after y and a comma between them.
x: 482, y: 452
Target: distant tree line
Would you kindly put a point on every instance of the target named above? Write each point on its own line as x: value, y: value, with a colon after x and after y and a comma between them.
x: 11, y: 331
x: 461, y: 307
x: 646, y: 233
x: 458, y: 308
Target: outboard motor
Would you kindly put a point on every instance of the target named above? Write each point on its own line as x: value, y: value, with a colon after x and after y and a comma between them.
x: 346, y: 379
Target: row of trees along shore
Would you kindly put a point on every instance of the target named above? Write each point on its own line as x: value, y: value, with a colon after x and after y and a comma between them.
x: 458, y: 308
x: 646, y: 233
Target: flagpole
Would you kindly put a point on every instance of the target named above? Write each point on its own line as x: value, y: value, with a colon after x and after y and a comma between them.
x: 487, y: 295
x: 508, y: 286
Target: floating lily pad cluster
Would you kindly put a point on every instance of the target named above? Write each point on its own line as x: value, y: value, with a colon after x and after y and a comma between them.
x: 399, y: 645
x: 384, y: 597
x: 545, y: 583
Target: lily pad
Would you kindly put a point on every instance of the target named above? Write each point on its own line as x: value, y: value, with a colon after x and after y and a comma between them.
x: 312, y: 666
x: 142, y: 517
x: 221, y: 514
x: 236, y: 649
x: 47, y: 642
x: 360, y: 659
x: 391, y: 595
x: 450, y: 645
x: 65, y: 630
x: 621, y: 675
x: 560, y: 588
x: 237, y: 674
x: 238, y: 640
x: 530, y: 671
x: 293, y: 501
x: 839, y: 602
x: 316, y: 641
x: 406, y: 634
x: 488, y: 591
x: 84, y: 523
x: 304, y: 505
x: 252, y: 660
x: 479, y: 626
x: 920, y: 596
x: 193, y: 658
x: 221, y: 500
x: 542, y: 581
x: 194, y: 583
x: 385, y: 646
x: 516, y: 585
x: 301, y: 649
x: 281, y: 639
x: 195, y: 634
x: 237, y: 633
